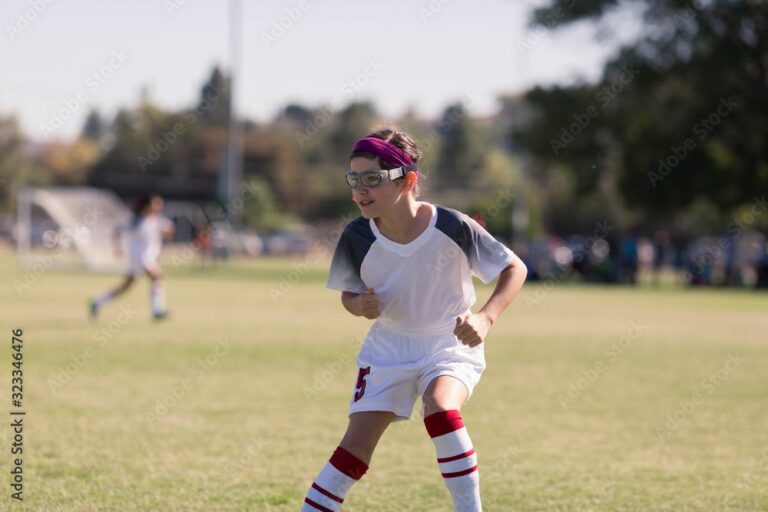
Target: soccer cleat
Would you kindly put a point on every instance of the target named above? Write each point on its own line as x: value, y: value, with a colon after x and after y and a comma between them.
x: 94, y: 310
x: 160, y: 315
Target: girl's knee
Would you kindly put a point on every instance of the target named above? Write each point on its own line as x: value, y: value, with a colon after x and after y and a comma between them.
x: 363, y: 434
x: 432, y: 405
x: 359, y: 445
x: 444, y: 393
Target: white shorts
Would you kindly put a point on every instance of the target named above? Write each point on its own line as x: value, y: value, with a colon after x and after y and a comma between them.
x: 141, y: 262
x: 395, y: 369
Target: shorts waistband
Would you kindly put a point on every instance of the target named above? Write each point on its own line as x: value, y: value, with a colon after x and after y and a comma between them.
x: 442, y: 329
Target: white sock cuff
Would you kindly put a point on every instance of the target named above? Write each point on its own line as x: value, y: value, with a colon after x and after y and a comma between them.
x: 452, y: 443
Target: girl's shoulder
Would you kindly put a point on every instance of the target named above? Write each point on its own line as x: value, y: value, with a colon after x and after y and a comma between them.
x: 359, y: 227
x: 452, y: 220
x: 464, y: 230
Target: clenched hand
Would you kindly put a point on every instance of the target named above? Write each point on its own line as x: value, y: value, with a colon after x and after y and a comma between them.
x: 368, y: 304
x: 471, y: 329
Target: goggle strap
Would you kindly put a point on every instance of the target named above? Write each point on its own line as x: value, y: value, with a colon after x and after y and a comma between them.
x: 401, y: 171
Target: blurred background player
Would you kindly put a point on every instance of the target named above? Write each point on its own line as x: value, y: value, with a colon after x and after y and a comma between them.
x: 145, y: 235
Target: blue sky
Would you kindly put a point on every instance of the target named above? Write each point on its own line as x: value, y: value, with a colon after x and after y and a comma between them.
x: 61, y: 57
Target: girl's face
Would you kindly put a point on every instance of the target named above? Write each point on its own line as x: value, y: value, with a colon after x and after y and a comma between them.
x: 373, y: 202
x: 156, y: 205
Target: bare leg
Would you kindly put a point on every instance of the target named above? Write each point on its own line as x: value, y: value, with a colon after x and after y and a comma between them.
x: 364, y: 431
x: 349, y: 462
x: 99, y: 301
x: 157, y: 292
x: 123, y: 287
x: 444, y: 393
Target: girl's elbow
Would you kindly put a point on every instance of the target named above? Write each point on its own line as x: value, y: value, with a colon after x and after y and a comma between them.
x: 523, y: 270
x: 517, y: 266
x: 518, y: 272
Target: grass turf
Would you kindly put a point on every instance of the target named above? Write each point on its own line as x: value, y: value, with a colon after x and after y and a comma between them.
x: 595, y: 398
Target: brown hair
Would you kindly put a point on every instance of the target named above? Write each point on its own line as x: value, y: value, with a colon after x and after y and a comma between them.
x: 400, y: 139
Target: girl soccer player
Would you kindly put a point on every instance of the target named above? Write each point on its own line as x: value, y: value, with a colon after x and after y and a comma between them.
x: 146, y: 232
x: 408, y: 264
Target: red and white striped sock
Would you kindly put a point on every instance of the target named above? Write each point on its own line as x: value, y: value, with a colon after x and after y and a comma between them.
x: 157, y: 297
x: 456, y: 458
x: 332, y: 484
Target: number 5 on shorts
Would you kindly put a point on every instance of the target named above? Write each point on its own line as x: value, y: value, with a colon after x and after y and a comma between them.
x: 360, y: 387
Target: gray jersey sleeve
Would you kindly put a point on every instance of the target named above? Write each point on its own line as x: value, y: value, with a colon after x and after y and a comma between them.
x: 487, y: 256
x: 351, y: 249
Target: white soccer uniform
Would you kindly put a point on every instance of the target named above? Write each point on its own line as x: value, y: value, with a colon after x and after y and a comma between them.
x: 422, y: 286
x: 145, y: 239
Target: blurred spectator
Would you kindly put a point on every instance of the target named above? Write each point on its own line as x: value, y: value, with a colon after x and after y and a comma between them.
x: 662, y: 253
x: 204, y: 246
x: 628, y: 260
x: 762, y: 269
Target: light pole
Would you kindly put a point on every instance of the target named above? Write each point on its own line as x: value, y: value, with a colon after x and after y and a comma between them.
x: 234, y: 162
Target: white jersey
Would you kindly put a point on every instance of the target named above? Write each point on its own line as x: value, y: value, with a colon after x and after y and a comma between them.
x: 145, y: 236
x: 425, y: 284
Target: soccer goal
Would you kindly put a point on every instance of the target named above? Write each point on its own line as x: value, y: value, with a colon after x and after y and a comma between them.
x: 70, y: 228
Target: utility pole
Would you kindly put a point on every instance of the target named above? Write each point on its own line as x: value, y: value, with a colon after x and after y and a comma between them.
x: 234, y: 161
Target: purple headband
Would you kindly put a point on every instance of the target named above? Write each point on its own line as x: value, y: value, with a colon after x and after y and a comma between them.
x: 384, y: 150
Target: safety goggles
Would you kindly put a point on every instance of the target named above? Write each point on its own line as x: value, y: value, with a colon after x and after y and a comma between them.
x: 374, y: 178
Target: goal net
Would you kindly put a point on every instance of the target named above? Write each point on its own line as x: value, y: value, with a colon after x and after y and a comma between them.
x: 70, y: 228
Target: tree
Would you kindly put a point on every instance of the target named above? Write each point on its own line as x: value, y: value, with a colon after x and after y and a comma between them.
x: 296, y: 114
x: 68, y: 163
x: 679, y: 115
x: 460, y: 154
x: 213, y: 104
x: 16, y: 168
x: 94, y: 127
x: 351, y: 123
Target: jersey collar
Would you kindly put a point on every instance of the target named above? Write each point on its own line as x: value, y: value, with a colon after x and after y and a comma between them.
x: 410, y: 247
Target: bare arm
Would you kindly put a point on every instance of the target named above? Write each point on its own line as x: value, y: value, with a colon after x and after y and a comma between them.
x: 361, y: 304
x: 472, y: 329
x: 168, y: 229
x: 508, y: 285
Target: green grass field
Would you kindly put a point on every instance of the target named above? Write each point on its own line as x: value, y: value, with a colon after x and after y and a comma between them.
x: 594, y: 398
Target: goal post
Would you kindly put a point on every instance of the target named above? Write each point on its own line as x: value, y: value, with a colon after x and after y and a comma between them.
x: 70, y: 228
